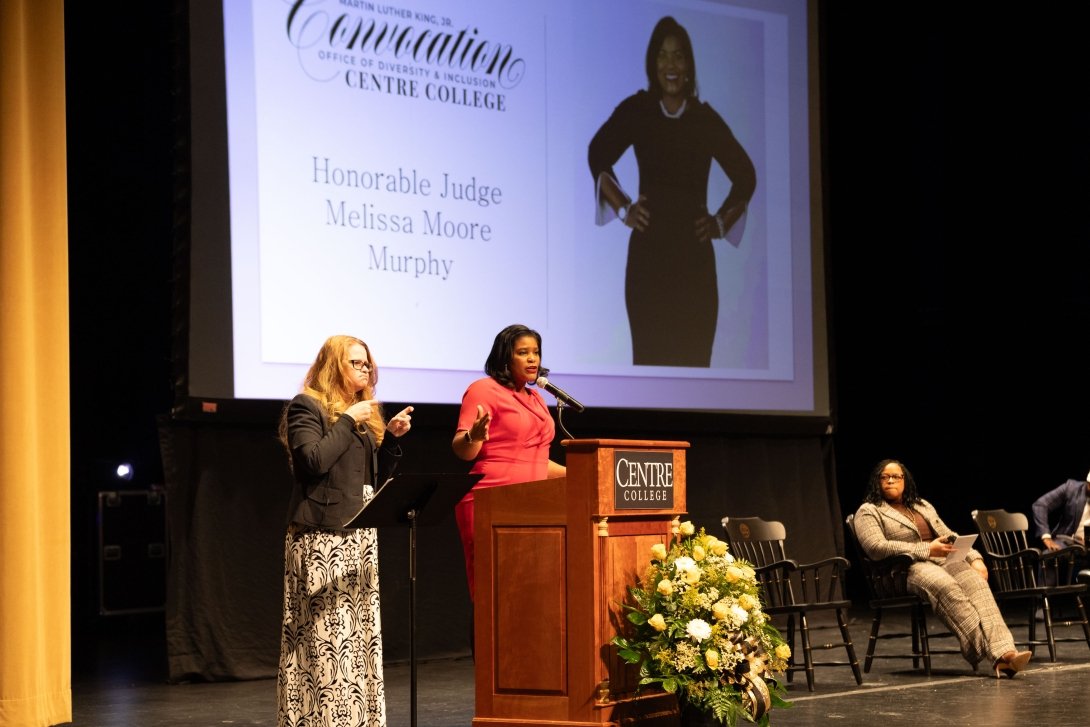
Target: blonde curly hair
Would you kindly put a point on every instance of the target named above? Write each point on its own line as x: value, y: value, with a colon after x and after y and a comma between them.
x: 327, y: 381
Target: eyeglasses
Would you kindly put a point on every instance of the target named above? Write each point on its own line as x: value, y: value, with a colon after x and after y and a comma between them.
x: 359, y: 365
x: 891, y: 478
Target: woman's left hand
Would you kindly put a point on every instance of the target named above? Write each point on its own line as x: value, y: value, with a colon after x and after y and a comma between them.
x: 714, y: 227
x: 707, y: 228
x: 979, y: 567
x: 401, y: 422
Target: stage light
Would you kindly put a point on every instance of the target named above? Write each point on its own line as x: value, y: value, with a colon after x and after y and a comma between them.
x: 124, y: 471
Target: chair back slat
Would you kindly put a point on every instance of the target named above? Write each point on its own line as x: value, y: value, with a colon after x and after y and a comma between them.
x: 760, y: 543
x: 1005, y: 536
x: 755, y: 540
x: 776, y: 590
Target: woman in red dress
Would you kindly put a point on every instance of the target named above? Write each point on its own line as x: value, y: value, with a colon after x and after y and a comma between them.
x: 504, y: 427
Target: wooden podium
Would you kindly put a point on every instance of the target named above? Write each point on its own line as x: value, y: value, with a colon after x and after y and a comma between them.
x: 553, y: 562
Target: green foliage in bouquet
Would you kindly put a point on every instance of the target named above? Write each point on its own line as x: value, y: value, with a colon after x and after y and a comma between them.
x: 699, y: 631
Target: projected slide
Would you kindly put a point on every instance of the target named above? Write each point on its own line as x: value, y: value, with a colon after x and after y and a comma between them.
x: 416, y: 173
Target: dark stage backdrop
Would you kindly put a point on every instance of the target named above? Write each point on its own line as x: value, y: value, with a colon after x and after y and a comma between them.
x: 227, y: 495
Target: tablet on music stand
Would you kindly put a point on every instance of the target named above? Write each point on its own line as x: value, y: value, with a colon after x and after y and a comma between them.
x: 407, y: 499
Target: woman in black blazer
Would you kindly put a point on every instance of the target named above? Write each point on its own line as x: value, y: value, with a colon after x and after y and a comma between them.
x: 341, y: 451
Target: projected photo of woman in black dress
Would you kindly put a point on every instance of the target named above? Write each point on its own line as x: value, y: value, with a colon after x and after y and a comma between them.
x: 671, y: 290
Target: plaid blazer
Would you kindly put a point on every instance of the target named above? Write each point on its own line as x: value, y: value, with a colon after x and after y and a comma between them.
x: 883, y: 531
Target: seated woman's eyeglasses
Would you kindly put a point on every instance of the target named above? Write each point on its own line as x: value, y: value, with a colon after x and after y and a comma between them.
x: 891, y: 478
x: 359, y: 365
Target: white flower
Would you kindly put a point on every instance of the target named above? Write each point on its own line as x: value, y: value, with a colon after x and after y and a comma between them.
x: 684, y: 563
x: 740, y: 614
x: 698, y: 630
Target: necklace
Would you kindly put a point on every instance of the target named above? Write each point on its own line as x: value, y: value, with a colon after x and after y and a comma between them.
x: 904, y: 510
x: 675, y: 115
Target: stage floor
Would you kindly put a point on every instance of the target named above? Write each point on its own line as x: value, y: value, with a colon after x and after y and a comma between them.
x: 892, y: 694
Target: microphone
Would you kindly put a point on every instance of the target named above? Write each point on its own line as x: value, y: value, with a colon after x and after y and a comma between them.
x: 559, y: 393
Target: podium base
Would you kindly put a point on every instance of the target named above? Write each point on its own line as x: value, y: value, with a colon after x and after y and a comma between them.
x: 649, y: 710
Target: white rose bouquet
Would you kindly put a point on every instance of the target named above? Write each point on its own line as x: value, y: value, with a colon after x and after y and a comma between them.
x: 697, y: 630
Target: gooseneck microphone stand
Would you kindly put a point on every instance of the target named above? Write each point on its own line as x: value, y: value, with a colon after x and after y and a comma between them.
x: 560, y: 419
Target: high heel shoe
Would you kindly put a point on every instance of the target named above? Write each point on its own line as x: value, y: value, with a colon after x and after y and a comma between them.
x: 1011, y: 663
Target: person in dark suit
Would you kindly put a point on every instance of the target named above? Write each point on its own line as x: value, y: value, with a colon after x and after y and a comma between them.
x: 894, y: 519
x: 1060, y: 514
x: 341, y: 451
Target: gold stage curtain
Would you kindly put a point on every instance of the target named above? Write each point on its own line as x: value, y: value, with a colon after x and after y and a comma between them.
x: 35, y: 534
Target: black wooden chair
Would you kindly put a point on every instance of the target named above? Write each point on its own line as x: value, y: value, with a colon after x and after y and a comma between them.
x: 1020, y: 573
x: 794, y: 590
x: 887, y: 588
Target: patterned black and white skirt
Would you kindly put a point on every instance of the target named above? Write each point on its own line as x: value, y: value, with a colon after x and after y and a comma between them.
x: 330, y: 671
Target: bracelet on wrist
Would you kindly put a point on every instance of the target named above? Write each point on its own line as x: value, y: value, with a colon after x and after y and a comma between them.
x: 721, y: 226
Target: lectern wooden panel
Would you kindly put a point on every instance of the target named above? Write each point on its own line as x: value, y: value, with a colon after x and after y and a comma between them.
x: 554, y: 560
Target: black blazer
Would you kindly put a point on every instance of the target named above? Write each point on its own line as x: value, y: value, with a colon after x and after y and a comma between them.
x: 331, y: 464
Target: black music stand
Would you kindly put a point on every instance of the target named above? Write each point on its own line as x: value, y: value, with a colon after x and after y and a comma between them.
x: 414, y: 499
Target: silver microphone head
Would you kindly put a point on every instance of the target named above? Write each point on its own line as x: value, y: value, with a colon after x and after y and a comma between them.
x: 542, y: 382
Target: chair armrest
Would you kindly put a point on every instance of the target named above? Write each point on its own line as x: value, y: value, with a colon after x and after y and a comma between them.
x: 839, y: 562
x: 787, y: 565
x: 1033, y: 555
x: 891, y: 562
x: 1070, y: 552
